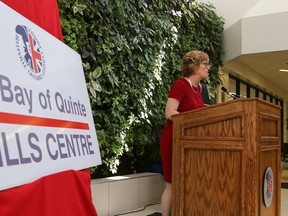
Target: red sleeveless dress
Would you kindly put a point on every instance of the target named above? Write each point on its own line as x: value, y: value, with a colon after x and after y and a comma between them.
x: 182, y: 91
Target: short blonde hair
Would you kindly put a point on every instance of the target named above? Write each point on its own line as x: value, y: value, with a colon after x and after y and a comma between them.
x: 191, y: 60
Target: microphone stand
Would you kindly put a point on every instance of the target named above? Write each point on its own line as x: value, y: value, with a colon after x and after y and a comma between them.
x: 232, y: 95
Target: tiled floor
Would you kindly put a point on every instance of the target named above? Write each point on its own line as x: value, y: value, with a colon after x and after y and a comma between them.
x: 153, y: 209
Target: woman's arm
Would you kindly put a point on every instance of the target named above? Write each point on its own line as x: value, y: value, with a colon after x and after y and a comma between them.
x: 171, y: 108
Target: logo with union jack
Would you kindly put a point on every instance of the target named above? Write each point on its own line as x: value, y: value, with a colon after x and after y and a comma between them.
x: 30, y: 52
x: 268, y: 186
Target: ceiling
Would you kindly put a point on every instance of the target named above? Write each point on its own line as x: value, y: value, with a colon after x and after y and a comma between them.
x: 267, y: 65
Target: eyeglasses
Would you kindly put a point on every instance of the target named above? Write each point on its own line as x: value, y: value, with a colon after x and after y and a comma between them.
x: 207, y: 64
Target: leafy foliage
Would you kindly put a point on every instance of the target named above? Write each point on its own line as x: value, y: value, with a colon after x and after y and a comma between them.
x: 131, y: 52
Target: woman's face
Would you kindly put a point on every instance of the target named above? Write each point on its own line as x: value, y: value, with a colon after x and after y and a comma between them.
x: 203, y: 69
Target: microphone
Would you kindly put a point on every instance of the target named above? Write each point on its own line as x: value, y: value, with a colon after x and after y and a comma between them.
x: 231, y: 94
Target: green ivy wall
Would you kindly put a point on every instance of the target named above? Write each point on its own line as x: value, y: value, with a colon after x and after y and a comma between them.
x: 131, y: 52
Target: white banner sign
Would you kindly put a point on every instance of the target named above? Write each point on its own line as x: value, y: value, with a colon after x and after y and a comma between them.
x: 45, y: 115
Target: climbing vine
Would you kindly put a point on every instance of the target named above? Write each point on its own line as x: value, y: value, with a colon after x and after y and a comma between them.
x: 131, y: 52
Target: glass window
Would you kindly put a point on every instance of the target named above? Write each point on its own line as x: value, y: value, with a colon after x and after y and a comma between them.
x: 272, y: 99
x: 232, y: 85
x: 252, y: 92
x: 261, y: 95
x: 243, y: 89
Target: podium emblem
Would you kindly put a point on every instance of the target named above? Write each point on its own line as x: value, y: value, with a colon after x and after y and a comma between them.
x: 268, y: 186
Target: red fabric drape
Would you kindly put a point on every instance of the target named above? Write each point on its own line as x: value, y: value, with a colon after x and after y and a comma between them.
x: 44, y: 13
x: 65, y: 193
x: 62, y: 194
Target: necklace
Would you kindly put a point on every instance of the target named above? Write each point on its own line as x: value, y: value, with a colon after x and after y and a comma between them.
x: 192, y: 85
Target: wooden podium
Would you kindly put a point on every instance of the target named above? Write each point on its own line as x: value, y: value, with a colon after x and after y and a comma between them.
x: 221, y: 155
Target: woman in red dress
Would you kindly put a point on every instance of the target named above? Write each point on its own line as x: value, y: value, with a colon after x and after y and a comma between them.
x: 184, y: 95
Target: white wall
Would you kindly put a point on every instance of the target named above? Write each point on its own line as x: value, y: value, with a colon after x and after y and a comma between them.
x: 233, y: 10
x: 264, y: 33
x: 264, y: 7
